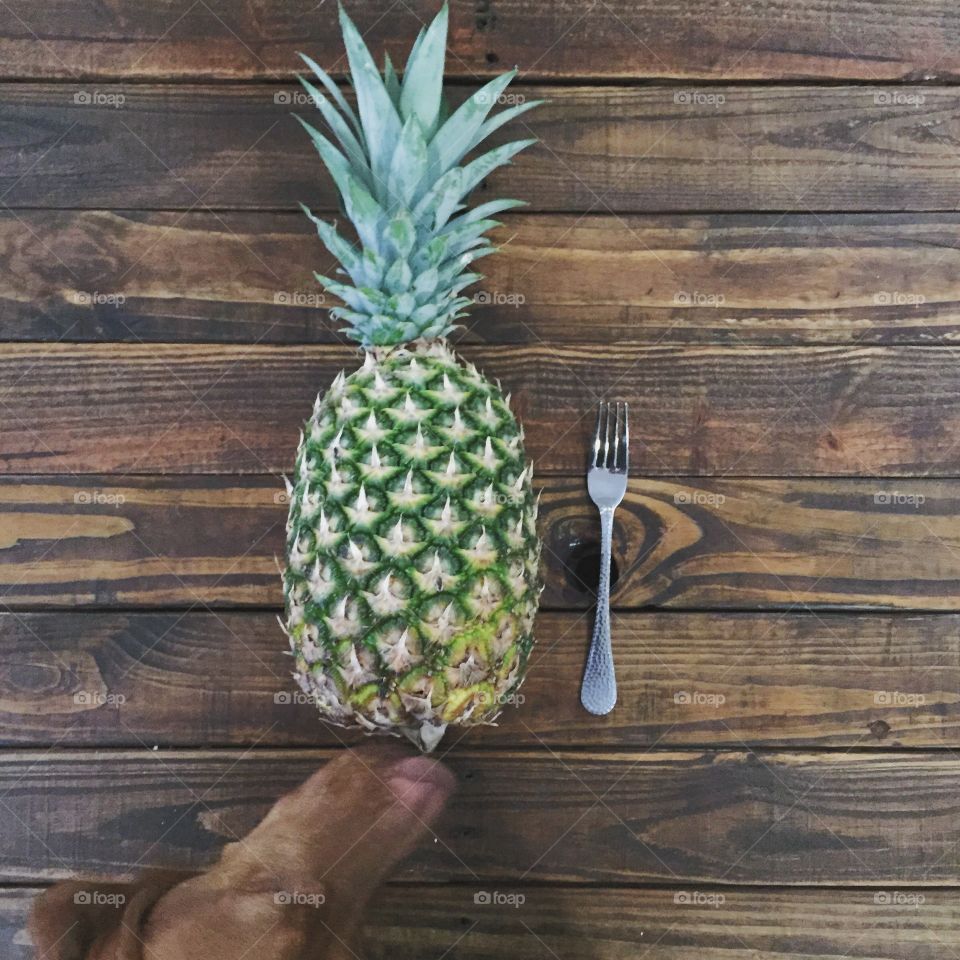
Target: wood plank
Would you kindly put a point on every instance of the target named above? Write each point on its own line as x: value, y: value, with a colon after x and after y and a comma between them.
x: 682, y: 817
x: 222, y: 679
x: 183, y: 541
x: 747, y: 279
x: 617, y: 39
x: 699, y: 410
x: 602, y: 150
x: 408, y: 923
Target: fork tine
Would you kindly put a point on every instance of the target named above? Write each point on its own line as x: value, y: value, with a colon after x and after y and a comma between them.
x: 595, y: 459
x: 606, y: 437
x: 626, y: 437
x: 614, y: 461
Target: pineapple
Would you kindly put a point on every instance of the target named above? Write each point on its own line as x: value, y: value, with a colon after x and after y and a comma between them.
x: 412, y: 579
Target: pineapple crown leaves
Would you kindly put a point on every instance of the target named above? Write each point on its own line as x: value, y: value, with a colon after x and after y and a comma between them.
x: 397, y: 164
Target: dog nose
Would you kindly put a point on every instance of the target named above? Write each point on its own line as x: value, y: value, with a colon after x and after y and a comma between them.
x: 420, y: 783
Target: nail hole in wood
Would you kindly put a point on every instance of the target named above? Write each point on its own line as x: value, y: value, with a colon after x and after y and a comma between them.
x: 583, y: 566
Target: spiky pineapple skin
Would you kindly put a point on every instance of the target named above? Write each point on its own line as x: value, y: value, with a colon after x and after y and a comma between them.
x: 413, y: 579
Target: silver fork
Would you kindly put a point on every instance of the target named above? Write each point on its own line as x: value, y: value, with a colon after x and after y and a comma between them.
x: 607, y: 483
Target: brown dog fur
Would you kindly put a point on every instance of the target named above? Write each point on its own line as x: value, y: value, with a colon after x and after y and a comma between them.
x: 295, y: 888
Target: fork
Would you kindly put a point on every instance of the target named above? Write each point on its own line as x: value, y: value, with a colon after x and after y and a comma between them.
x: 606, y: 483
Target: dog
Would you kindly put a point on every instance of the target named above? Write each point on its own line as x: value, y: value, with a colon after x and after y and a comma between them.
x: 295, y: 888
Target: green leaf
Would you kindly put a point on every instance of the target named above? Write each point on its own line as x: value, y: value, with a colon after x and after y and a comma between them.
x: 391, y: 81
x: 341, y: 130
x: 423, y: 76
x: 401, y: 234
x: 365, y: 213
x: 484, y: 165
x: 443, y: 195
x: 488, y: 209
x: 407, y: 165
x: 403, y: 304
x: 345, y: 253
x: 378, y: 116
x: 425, y: 283
x: 332, y: 158
x: 497, y: 121
x: 399, y: 277
x: 334, y: 91
x: 455, y: 137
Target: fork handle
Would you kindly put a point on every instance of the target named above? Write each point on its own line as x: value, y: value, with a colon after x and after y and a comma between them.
x: 598, y: 692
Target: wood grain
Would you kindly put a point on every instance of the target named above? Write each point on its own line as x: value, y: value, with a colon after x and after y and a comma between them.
x: 167, y: 408
x: 678, y: 817
x: 223, y: 679
x: 619, y: 39
x: 408, y: 922
x: 734, y: 278
x: 602, y: 149
x: 184, y: 541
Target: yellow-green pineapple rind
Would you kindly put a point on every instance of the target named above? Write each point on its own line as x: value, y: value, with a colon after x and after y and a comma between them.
x: 412, y: 581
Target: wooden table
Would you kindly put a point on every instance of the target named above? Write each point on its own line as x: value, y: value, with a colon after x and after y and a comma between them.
x: 744, y: 221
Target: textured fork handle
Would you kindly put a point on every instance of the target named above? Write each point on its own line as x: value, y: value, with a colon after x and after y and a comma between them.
x: 598, y: 693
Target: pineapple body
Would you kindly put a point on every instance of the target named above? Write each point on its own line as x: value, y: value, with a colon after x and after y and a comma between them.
x: 412, y: 581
